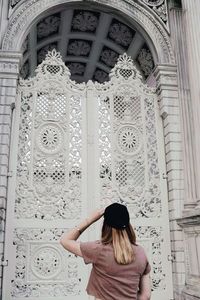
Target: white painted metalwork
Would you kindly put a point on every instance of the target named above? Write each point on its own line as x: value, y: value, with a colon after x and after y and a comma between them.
x: 80, y: 146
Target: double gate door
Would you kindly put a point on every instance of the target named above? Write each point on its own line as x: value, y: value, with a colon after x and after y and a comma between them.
x: 76, y: 147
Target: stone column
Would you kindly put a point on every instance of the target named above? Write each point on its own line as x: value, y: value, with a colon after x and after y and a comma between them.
x: 178, y: 41
x: 185, y: 34
x: 9, y: 70
x: 167, y: 90
x: 191, y: 20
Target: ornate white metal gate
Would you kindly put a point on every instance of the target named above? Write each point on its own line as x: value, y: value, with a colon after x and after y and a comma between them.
x: 77, y: 146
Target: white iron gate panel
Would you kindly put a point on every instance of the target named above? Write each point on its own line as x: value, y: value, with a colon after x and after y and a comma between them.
x: 79, y: 146
x: 50, y: 187
x: 130, y: 161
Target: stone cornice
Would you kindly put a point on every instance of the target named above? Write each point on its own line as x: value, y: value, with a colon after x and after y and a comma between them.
x: 190, y: 218
x: 10, y: 63
x: 166, y: 77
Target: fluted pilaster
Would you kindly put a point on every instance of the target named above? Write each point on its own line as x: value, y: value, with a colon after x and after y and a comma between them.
x: 191, y: 20
x: 187, y: 119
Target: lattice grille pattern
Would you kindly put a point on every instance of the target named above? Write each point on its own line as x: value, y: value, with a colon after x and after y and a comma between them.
x: 126, y: 73
x: 43, y: 104
x: 55, y: 104
x: 55, y: 174
x: 127, y: 104
x: 129, y: 175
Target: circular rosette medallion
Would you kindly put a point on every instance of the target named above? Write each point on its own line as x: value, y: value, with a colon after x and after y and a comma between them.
x: 129, y: 139
x: 49, y: 138
x: 46, y: 262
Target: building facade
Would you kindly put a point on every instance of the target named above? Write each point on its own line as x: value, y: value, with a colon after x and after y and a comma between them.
x: 106, y: 109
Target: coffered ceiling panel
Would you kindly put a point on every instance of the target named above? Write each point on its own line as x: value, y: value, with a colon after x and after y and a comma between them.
x: 89, y: 41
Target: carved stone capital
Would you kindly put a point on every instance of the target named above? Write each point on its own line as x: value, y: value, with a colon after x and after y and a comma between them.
x: 190, y: 218
x: 166, y: 76
x: 167, y: 87
x: 9, y: 64
x: 191, y: 292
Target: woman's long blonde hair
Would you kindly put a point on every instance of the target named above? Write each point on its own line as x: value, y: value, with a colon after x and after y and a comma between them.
x: 122, y: 241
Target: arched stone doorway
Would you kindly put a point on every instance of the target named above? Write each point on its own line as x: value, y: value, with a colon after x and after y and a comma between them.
x: 166, y: 71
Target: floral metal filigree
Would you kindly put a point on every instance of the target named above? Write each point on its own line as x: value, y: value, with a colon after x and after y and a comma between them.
x: 42, y: 267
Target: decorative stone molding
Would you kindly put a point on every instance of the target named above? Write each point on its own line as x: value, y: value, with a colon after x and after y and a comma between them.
x: 26, y: 13
x: 166, y: 77
x: 190, y: 293
x: 159, y: 7
x: 9, y: 63
x: 191, y: 218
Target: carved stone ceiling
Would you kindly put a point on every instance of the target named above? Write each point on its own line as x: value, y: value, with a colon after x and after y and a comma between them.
x: 89, y: 41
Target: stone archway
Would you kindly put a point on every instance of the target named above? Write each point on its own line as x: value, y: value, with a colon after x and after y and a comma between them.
x: 25, y: 14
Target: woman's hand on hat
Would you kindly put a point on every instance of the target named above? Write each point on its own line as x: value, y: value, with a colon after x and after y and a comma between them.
x: 96, y: 215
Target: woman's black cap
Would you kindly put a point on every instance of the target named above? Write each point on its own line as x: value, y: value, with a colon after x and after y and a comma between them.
x: 116, y: 215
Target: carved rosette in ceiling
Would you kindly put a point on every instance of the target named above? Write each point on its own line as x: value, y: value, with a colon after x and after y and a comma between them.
x: 145, y: 60
x: 76, y: 68
x: 109, y: 57
x: 85, y: 21
x: 100, y: 76
x: 120, y: 33
x: 79, y: 48
x: 48, y: 26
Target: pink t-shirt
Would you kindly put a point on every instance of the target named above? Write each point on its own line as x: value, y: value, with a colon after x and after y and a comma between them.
x: 110, y: 280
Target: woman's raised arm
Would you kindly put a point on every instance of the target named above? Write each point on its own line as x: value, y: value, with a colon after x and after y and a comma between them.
x: 68, y: 239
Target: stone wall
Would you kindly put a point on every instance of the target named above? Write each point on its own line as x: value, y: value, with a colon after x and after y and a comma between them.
x: 167, y: 87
